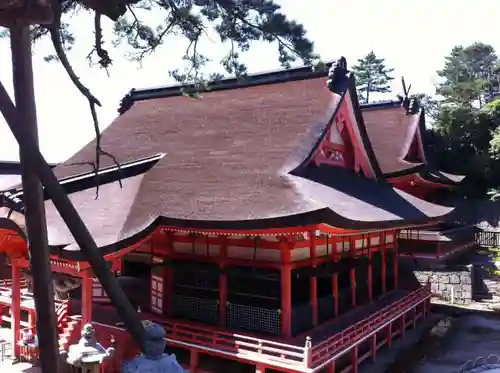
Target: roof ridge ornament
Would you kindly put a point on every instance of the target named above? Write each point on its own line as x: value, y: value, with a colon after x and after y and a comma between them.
x: 336, y: 72
x: 410, y: 103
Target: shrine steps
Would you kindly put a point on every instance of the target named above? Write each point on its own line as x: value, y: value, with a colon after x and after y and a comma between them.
x: 69, y: 333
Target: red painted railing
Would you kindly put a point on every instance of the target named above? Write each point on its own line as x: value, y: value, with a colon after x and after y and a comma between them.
x: 269, y: 352
x: 231, y: 343
x: 7, y: 283
x: 338, y: 342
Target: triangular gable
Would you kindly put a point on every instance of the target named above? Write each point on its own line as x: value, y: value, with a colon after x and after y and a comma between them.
x: 416, y: 151
x: 336, y: 148
x: 343, y: 145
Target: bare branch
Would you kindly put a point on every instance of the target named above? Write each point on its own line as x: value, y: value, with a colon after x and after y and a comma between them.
x: 92, y: 100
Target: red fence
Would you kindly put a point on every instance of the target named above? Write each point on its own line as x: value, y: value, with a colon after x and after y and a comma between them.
x: 7, y: 283
x: 264, y: 351
x: 340, y: 341
x: 242, y: 345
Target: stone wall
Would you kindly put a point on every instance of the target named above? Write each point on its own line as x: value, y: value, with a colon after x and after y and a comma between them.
x: 445, y: 279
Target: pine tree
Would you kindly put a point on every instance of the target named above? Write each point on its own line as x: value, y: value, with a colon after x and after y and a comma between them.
x: 470, y: 75
x: 371, y: 76
x: 145, y: 25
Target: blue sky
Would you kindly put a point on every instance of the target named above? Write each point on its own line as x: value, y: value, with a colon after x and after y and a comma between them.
x: 412, y: 36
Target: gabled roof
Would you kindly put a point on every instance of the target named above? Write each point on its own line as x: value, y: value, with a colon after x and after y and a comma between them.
x: 391, y: 130
x: 235, y: 159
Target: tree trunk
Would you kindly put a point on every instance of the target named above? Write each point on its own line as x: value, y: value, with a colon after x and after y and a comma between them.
x: 368, y: 89
x: 34, y: 202
x: 73, y: 221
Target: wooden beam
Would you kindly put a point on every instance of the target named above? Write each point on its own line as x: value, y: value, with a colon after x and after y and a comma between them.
x: 73, y: 221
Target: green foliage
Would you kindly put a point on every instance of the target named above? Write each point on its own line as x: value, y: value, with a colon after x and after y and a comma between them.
x: 236, y: 23
x: 371, y: 76
x: 466, y: 134
x: 470, y: 75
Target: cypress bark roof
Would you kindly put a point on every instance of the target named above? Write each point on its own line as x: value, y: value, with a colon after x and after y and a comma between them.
x: 235, y: 159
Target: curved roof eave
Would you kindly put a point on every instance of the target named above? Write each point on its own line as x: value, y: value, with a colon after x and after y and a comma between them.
x: 322, y: 216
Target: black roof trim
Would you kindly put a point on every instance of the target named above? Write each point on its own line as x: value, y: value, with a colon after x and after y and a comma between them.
x: 251, y: 80
x: 386, y: 104
x: 14, y: 167
x: 418, y: 168
x: 89, y: 179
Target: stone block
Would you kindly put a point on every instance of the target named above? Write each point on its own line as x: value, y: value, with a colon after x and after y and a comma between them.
x: 422, y: 278
x: 444, y: 279
x: 454, y: 279
x: 466, y: 279
x: 441, y: 287
x: 467, y: 288
x: 455, y: 288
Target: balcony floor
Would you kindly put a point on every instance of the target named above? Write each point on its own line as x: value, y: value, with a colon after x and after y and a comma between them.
x: 326, y: 330
x: 106, y: 314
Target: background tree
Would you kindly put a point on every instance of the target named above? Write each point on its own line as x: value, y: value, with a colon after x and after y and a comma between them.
x: 237, y: 24
x: 465, y: 137
x: 371, y: 76
x: 470, y: 75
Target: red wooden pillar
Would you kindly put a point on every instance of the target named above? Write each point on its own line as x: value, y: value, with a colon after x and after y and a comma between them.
x: 396, y: 261
x: 370, y: 273
x: 373, y: 346
x: 335, y: 291
x: 353, y: 286
x: 384, y: 267
x: 223, y: 283
x: 169, y: 275
x: 438, y: 251
x: 87, y: 285
x: 286, y: 292
x: 193, y: 361
x: 313, y: 282
x: 330, y: 368
x: 389, y: 335
x: 15, y: 308
x: 414, y: 317
x: 31, y: 319
x: 354, y: 357
x: 403, y: 326
x: 260, y: 368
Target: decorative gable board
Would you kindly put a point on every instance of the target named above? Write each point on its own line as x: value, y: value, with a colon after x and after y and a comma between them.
x: 332, y: 148
x: 342, y: 145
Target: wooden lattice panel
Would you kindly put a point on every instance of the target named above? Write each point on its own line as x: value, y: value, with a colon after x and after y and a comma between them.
x: 157, y: 294
x: 195, y: 309
x: 255, y: 319
x: 98, y: 293
x: 25, y: 12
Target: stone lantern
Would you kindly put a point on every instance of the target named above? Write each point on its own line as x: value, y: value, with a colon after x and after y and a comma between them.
x: 154, y: 359
x: 88, y: 354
